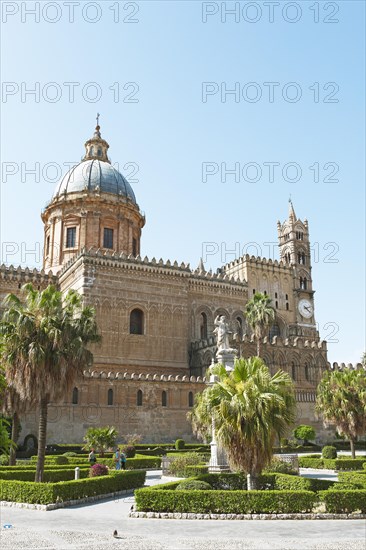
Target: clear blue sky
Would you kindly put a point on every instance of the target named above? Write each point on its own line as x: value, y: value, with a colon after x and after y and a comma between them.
x: 172, y: 128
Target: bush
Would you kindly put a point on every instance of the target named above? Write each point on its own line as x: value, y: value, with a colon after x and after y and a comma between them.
x: 98, y: 470
x: 61, y: 459
x: 179, y: 463
x: 356, y: 478
x: 329, y: 452
x: 306, y: 433
x: 4, y: 460
x: 49, y: 476
x: 344, y: 502
x: 224, y: 502
x: 199, y: 469
x: 281, y: 467
x: 46, y: 493
x: 129, y: 450
x: 70, y: 454
x: 193, y: 485
x: 179, y: 444
x: 349, y: 463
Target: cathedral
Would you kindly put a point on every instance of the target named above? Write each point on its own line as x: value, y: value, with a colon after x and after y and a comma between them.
x: 156, y: 318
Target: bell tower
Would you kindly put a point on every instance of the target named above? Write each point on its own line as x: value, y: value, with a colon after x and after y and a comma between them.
x: 294, y: 244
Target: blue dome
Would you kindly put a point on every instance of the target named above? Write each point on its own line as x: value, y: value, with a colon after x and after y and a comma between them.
x: 95, y: 175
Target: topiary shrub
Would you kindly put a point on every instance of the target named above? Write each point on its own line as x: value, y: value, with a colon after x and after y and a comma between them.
x: 4, y: 460
x: 193, y: 485
x: 129, y: 451
x: 70, y: 453
x: 179, y: 444
x: 329, y: 452
x: 98, y: 470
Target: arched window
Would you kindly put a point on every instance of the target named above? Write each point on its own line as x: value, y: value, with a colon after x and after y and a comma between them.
x: 276, y: 304
x: 190, y: 399
x: 307, y: 377
x: 293, y: 371
x: 110, y: 397
x: 274, y: 331
x: 99, y: 152
x: 137, y: 321
x: 164, y: 399
x: 75, y: 396
x: 287, y: 307
x: 203, y: 326
x: 91, y: 151
x: 139, y: 398
x: 301, y: 258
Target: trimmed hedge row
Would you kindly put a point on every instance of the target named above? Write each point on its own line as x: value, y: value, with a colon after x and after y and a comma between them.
x: 47, y: 493
x: 356, y: 478
x: 225, y: 502
x: 137, y: 463
x: 332, y: 463
x: 49, y: 476
x: 270, y: 481
x: 33, y: 466
x: 344, y: 502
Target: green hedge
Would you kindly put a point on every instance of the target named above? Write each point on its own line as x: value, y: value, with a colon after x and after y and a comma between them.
x: 332, y: 464
x: 46, y: 493
x: 143, y: 463
x: 225, y: 502
x: 49, y: 476
x: 33, y: 466
x: 358, y: 478
x: 344, y: 502
x: 195, y: 470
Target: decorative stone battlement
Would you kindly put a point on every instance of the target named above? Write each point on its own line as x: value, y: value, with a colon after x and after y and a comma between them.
x: 113, y: 259
x: 299, y: 342
x: 25, y: 275
x: 344, y: 366
x: 144, y: 377
x: 258, y: 260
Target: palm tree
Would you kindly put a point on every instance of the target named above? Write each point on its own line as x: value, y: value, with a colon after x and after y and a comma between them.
x: 250, y: 408
x: 341, y: 399
x: 12, y: 405
x: 43, y: 346
x: 260, y: 315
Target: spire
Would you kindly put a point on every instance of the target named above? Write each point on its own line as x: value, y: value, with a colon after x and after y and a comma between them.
x: 201, y: 267
x: 96, y: 147
x: 291, y: 210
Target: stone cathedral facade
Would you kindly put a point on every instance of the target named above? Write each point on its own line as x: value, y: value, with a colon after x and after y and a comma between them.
x: 156, y: 318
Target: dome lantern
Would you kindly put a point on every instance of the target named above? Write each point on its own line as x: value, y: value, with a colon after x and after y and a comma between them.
x: 96, y: 148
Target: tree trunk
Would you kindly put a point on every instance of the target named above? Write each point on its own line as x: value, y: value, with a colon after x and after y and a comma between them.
x: 42, y: 431
x: 353, y: 451
x: 258, y: 346
x: 14, y: 437
x: 254, y: 482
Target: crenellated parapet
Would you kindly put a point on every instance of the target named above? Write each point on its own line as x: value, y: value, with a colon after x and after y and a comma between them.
x: 101, y: 258
x: 257, y: 261
x: 344, y: 366
x: 23, y: 275
x: 111, y: 376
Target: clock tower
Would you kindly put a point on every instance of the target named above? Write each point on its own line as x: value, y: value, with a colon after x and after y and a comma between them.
x: 295, y: 251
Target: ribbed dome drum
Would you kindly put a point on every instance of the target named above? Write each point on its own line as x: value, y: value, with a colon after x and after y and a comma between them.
x: 95, y: 175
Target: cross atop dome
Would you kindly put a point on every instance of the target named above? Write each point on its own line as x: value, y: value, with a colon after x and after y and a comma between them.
x: 96, y: 147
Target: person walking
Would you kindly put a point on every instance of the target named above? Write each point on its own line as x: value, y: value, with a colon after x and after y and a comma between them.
x: 123, y: 461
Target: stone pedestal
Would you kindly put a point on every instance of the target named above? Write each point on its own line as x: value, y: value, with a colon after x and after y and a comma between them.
x: 227, y: 357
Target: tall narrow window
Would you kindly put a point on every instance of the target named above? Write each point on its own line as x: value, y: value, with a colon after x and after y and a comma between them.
x: 99, y: 152
x: 286, y: 296
x: 276, y: 304
x: 253, y: 290
x: 137, y: 321
x: 190, y: 399
x: 307, y: 372
x: 110, y: 397
x: 276, y: 295
x: 139, y: 398
x: 75, y: 396
x: 134, y: 247
x: 287, y: 306
x: 108, y: 238
x: 293, y: 371
x: 163, y: 399
x: 70, y: 237
x: 47, y: 245
x: 203, y: 326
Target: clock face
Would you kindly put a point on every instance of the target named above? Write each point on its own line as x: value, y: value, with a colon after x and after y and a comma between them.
x: 306, y: 309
